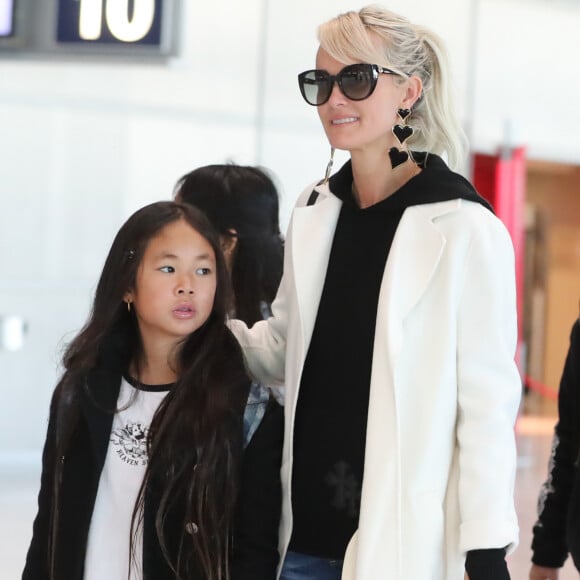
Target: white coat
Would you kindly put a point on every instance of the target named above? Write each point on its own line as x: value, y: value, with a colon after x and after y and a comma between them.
x: 440, y: 453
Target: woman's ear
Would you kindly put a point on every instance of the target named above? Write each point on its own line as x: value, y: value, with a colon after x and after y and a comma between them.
x: 413, y: 92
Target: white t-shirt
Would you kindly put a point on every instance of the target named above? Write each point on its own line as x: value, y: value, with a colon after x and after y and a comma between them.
x: 107, y: 556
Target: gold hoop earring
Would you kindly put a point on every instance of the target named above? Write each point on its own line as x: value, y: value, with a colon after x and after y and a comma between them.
x: 128, y: 307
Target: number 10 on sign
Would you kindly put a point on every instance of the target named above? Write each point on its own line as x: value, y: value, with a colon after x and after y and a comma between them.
x: 117, y: 20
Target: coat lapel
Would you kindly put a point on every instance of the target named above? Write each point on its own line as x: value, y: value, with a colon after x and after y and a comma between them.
x: 312, y: 235
x: 413, y: 260
x: 417, y: 248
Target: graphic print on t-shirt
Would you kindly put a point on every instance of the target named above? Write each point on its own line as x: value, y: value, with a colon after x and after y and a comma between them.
x: 121, y: 478
x: 131, y: 443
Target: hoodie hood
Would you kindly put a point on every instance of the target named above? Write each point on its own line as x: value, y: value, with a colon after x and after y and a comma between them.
x: 434, y: 184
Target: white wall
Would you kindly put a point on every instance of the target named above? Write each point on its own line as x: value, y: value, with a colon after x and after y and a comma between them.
x: 527, y: 86
x: 84, y: 143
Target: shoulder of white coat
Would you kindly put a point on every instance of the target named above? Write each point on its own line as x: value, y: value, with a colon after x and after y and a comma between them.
x: 470, y: 215
x: 488, y: 235
x: 467, y: 222
x: 484, y: 221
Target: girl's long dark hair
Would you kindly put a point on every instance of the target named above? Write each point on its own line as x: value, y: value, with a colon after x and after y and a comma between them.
x: 195, y: 439
x: 245, y: 199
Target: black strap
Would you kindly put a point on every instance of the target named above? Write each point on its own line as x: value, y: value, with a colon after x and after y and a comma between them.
x: 313, y: 197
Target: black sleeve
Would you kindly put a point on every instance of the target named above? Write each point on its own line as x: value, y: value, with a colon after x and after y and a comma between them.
x: 259, y: 502
x: 487, y: 564
x: 549, y: 535
x: 37, y: 560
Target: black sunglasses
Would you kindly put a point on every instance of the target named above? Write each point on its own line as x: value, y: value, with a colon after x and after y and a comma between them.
x: 356, y: 81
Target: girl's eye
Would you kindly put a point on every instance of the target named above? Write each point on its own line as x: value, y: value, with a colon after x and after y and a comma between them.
x: 167, y: 269
x: 203, y: 271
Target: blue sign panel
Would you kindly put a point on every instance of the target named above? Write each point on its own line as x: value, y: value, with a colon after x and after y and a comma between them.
x: 110, y: 22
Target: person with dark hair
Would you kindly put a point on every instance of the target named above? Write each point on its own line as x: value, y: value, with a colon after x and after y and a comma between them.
x: 393, y: 330
x: 556, y: 534
x: 148, y: 471
x: 242, y: 204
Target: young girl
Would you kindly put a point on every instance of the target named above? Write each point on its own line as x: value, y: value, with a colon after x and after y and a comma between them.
x: 144, y: 469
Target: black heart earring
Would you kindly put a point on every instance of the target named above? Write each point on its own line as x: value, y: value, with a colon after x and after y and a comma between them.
x: 402, y: 132
x: 397, y: 156
x: 404, y: 113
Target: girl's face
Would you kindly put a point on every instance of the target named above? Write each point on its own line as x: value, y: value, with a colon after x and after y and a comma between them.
x: 175, y: 286
x: 360, y: 125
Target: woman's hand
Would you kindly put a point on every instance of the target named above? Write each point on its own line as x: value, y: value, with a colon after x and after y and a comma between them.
x: 541, y: 573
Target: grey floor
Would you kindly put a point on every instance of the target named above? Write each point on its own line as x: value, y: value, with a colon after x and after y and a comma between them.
x: 18, y: 488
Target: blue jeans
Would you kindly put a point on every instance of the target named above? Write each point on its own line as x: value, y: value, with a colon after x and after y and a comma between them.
x: 304, y: 567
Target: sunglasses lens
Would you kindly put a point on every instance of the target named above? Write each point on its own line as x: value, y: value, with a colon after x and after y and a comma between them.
x: 315, y: 86
x: 357, y: 81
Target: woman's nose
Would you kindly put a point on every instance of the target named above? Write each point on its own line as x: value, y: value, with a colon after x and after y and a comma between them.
x: 336, y: 96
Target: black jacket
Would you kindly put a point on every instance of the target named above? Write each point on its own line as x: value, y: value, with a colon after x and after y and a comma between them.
x: 557, y: 531
x: 256, y: 530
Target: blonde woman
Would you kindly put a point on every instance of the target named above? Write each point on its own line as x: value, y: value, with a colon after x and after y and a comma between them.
x: 394, y: 329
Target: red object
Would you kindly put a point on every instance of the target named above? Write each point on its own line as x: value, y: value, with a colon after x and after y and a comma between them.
x: 542, y: 389
x: 501, y: 179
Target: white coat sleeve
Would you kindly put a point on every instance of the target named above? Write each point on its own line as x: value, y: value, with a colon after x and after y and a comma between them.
x: 264, y: 344
x: 489, y: 390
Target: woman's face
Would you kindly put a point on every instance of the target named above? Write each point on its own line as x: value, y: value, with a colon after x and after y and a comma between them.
x: 361, y: 125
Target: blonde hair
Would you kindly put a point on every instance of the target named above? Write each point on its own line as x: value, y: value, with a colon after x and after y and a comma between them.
x: 411, y: 50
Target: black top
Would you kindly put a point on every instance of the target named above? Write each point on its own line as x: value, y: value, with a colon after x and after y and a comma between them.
x: 332, y: 406
x: 557, y: 531
x: 331, y: 413
x: 147, y: 388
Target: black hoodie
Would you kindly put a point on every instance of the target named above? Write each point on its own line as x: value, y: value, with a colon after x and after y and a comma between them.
x: 332, y: 407
x: 435, y: 183
x: 557, y: 531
